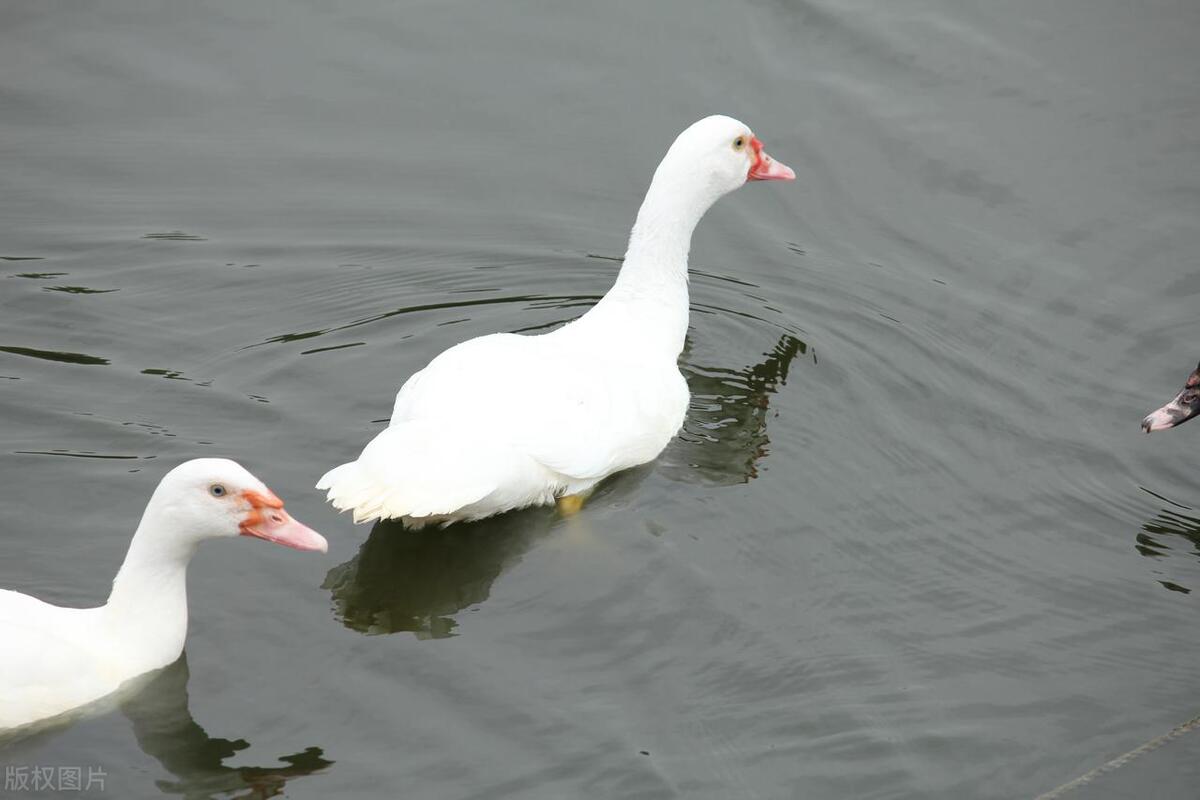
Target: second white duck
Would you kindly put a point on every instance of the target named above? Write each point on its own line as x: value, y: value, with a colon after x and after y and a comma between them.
x: 506, y: 421
x: 54, y: 659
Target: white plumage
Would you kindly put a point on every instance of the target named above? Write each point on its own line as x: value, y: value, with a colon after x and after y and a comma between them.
x: 56, y: 659
x: 506, y: 421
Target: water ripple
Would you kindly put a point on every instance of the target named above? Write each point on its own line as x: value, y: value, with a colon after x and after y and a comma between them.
x: 55, y: 355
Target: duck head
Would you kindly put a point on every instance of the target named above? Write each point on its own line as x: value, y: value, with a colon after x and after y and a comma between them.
x: 1183, y: 407
x: 212, y: 498
x: 721, y: 154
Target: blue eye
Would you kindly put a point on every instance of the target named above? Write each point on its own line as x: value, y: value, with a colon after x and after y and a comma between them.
x: 217, y: 490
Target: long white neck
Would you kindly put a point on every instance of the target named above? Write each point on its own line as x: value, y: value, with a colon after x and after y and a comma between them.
x: 662, y: 235
x: 650, y: 297
x: 146, y: 614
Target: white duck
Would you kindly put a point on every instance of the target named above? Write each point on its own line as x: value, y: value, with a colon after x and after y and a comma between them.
x: 55, y: 659
x: 506, y: 421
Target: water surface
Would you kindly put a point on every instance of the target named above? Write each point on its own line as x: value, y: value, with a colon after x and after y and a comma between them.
x: 911, y: 541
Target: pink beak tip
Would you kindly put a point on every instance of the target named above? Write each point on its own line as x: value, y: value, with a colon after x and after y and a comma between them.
x: 279, y: 527
x: 768, y: 169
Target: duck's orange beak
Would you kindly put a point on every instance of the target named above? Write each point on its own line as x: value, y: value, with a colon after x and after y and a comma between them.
x: 765, y: 168
x: 267, y: 520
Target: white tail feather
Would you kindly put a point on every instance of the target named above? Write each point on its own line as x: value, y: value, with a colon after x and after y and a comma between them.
x: 415, y: 469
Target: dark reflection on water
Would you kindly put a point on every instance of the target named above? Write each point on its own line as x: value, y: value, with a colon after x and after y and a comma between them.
x: 165, y: 730
x: 175, y: 236
x: 77, y: 290
x: 70, y: 454
x: 1160, y: 537
x: 54, y: 355
x: 417, y: 581
x: 169, y: 374
x: 725, y: 434
x: 157, y: 707
x: 331, y: 347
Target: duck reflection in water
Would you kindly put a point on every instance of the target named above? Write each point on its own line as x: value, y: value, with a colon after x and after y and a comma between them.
x: 157, y: 706
x: 1160, y: 537
x: 165, y: 730
x: 725, y: 434
x: 417, y: 581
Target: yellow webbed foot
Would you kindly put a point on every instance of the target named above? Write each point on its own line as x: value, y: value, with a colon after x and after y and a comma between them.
x: 570, y: 505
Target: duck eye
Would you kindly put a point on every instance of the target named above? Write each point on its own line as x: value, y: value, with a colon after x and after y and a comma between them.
x: 217, y: 490
x: 739, y: 143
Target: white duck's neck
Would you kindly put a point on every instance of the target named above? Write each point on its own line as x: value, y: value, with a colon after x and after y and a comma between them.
x: 650, y: 296
x: 662, y: 236
x: 146, y: 612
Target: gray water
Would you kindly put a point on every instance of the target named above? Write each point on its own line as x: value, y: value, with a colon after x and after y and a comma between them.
x: 911, y: 542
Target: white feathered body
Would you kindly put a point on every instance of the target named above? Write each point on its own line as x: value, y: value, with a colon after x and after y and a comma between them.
x: 506, y: 421
x: 58, y: 659
x: 38, y: 671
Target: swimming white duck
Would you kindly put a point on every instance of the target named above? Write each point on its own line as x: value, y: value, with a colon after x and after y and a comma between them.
x: 1182, y: 407
x: 504, y: 421
x: 55, y: 659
